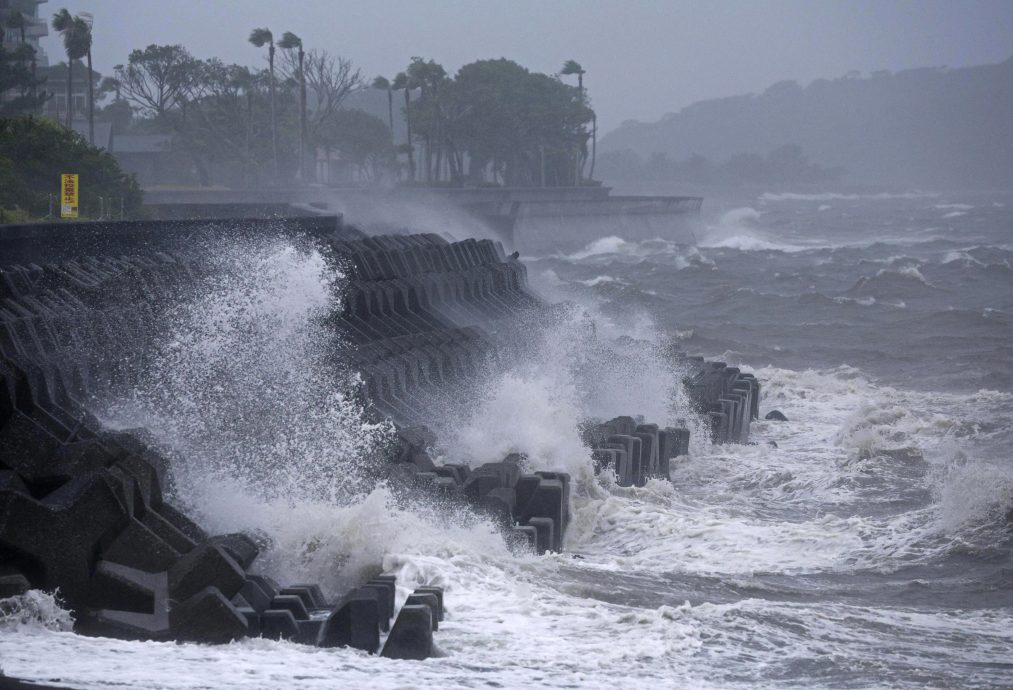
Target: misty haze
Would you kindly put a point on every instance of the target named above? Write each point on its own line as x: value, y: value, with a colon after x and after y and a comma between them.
x: 458, y: 344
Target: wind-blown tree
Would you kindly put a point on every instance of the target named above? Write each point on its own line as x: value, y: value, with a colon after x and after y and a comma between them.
x: 401, y: 81
x: 118, y: 112
x: 363, y: 141
x: 430, y: 78
x: 164, y: 83
x: 383, y: 84
x: 571, y: 67
x: 158, y: 78
x: 260, y: 38
x: 329, y: 80
x: 77, y: 44
x: 289, y: 41
x: 511, y: 120
x: 222, y: 126
x: 91, y: 83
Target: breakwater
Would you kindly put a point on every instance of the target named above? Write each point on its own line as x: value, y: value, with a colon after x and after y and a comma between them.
x: 90, y: 512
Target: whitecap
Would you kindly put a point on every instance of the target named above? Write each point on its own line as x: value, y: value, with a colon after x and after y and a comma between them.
x: 832, y: 196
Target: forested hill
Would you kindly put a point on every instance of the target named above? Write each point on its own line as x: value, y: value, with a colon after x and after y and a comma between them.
x: 929, y: 127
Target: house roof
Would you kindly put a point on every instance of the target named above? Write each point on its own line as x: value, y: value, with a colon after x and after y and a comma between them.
x: 103, y: 132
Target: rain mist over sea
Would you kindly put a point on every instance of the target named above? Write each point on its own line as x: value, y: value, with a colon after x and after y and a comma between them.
x: 866, y: 542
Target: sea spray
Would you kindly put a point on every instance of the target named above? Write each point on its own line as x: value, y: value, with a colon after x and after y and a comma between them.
x: 249, y: 382
x: 249, y: 396
x: 573, y: 367
x: 34, y: 609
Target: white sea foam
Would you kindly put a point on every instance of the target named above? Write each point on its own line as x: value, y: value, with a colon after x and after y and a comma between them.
x: 246, y: 399
x: 600, y: 280
x: 730, y: 512
x: 33, y: 610
x: 605, y: 245
x: 909, y: 271
x: 739, y: 229
x: 961, y: 257
x: 582, y: 366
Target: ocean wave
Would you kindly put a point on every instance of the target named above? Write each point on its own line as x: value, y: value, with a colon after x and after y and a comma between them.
x: 601, y: 280
x: 904, y: 282
x: 960, y: 257
x: 604, y: 245
x: 748, y: 242
x: 738, y: 229
x: 657, y: 251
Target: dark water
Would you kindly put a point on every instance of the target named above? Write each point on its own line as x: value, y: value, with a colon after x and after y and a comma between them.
x: 916, y: 290
x: 873, y: 546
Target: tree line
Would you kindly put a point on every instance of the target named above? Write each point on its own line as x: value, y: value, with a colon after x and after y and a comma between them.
x: 493, y: 122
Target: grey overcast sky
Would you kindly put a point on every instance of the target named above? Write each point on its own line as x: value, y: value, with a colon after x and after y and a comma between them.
x: 644, y: 58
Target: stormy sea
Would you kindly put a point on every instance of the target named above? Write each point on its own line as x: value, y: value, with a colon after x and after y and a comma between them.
x: 866, y: 542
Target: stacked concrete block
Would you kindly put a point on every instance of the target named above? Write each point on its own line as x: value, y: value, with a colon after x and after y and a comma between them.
x: 422, y: 314
x: 728, y: 397
x: 533, y: 509
x: 634, y: 451
x: 82, y: 512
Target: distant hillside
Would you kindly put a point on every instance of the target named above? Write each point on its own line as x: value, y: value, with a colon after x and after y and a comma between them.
x: 924, y: 127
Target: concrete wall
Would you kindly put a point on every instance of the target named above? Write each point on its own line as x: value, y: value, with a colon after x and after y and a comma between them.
x: 58, y: 241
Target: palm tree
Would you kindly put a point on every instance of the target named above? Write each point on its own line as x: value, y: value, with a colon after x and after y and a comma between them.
x: 383, y: 83
x: 88, y: 21
x: 401, y: 81
x: 573, y: 67
x: 260, y: 38
x: 77, y: 44
x: 290, y: 41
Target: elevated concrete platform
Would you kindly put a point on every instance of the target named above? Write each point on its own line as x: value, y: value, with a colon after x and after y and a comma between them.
x: 532, y: 220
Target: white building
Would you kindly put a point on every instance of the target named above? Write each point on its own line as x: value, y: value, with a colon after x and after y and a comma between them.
x: 36, y: 26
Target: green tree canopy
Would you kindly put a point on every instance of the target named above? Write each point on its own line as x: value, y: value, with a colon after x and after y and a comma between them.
x: 513, y: 119
x: 158, y: 78
x: 34, y: 152
x: 363, y: 140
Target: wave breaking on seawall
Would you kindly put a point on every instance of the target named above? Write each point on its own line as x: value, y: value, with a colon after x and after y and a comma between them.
x: 214, y: 430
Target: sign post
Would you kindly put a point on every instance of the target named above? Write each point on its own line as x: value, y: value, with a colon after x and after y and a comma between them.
x: 68, y: 192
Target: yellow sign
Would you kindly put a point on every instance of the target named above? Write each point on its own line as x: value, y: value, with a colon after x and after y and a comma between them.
x: 68, y: 192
